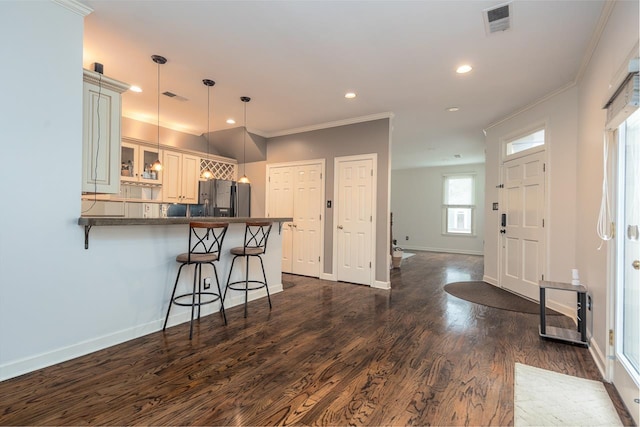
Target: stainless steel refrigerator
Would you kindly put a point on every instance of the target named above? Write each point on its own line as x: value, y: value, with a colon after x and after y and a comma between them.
x: 225, y: 198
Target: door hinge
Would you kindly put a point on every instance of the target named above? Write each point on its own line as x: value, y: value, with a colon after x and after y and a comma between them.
x: 369, y: 264
x: 543, y: 277
x: 320, y: 175
x: 610, y: 336
x: 371, y: 218
x: 544, y: 167
x: 318, y: 259
x: 542, y: 222
x: 320, y: 217
x: 371, y: 172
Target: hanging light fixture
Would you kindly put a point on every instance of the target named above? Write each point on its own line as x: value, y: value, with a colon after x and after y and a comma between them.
x: 157, y: 166
x: 206, y: 173
x: 244, y: 178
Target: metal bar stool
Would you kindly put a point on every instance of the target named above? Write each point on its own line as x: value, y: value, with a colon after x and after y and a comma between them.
x: 205, y: 243
x: 255, y: 244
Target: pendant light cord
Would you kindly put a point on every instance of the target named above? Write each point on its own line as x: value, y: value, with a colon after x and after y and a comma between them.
x: 158, y: 110
x: 244, y: 143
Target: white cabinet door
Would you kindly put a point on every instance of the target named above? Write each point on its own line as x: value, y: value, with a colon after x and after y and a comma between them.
x: 189, y: 178
x: 101, y: 133
x: 180, y: 182
x: 172, y: 183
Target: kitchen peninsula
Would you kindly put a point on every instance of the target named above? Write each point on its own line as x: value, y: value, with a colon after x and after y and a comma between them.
x: 158, y: 241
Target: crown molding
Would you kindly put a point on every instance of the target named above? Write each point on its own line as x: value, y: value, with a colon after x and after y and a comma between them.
x: 75, y: 6
x: 530, y: 106
x: 385, y: 115
x: 595, y: 38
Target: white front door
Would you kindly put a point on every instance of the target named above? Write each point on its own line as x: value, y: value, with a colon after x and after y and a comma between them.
x: 354, y: 220
x: 280, y: 204
x: 307, y: 209
x: 626, y: 370
x: 522, y: 229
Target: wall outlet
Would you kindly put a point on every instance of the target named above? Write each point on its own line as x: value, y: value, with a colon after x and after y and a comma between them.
x: 589, y: 302
x: 406, y: 237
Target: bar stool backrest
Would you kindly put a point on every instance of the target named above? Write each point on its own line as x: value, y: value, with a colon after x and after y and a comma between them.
x: 256, y: 235
x: 206, y: 238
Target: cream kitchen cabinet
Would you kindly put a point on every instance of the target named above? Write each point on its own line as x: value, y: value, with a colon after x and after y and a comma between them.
x: 180, y: 177
x: 102, y: 108
x: 136, y: 161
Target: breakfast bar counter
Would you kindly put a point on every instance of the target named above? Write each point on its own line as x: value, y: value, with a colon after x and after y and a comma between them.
x: 89, y: 222
x: 137, y: 258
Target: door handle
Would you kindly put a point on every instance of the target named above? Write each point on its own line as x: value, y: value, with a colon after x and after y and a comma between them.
x: 340, y: 227
x: 636, y: 264
x: 295, y: 226
x: 503, y: 231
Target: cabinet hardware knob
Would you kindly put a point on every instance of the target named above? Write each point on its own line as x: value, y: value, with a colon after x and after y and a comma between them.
x: 636, y: 264
x: 340, y: 227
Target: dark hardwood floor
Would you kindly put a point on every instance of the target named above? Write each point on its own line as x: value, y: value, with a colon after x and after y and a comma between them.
x: 327, y: 354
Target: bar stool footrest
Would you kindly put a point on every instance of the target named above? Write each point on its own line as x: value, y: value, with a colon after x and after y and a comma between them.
x: 244, y: 288
x: 211, y: 298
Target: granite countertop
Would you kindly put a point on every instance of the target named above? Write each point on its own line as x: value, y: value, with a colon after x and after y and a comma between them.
x: 99, y: 221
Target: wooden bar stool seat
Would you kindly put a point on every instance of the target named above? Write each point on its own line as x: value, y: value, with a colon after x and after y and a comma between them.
x: 205, y: 243
x: 255, y: 245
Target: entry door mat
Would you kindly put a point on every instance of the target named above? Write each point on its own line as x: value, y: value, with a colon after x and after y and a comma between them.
x: 492, y: 296
x: 546, y: 398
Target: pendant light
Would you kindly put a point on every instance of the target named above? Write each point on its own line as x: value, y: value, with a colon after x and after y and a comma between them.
x: 206, y: 173
x: 244, y: 178
x: 157, y: 166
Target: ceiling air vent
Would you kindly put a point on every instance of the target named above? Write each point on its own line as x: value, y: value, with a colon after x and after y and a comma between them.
x: 174, y: 96
x: 497, y: 19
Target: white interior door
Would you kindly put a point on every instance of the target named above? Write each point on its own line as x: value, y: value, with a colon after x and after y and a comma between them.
x: 523, y: 236
x: 626, y: 370
x: 280, y: 199
x: 354, y: 220
x: 307, y: 210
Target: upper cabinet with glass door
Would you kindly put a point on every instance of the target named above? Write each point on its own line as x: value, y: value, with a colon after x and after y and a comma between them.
x: 135, y: 163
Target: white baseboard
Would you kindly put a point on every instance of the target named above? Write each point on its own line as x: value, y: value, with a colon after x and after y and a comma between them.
x: 490, y: 280
x: 443, y: 250
x: 328, y: 276
x: 599, y: 358
x: 30, y: 364
x: 381, y: 285
x: 568, y: 311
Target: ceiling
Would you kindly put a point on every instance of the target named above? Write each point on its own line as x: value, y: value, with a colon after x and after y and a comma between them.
x: 297, y: 59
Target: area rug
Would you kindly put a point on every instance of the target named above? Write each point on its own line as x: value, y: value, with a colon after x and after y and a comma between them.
x: 406, y: 255
x: 492, y: 296
x: 546, y: 398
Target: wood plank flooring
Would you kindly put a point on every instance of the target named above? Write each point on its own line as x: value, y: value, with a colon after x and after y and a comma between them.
x: 327, y: 354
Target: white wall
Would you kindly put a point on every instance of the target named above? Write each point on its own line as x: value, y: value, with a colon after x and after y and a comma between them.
x: 58, y: 300
x: 561, y: 118
x: 575, y: 121
x: 618, y: 38
x: 416, y: 203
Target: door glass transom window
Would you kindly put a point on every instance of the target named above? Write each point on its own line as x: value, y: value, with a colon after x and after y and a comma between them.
x: 526, y: 142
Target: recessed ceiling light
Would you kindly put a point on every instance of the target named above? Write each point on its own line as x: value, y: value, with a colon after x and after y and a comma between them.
x: 350, y: 95
x: 464, y: 69
x: 135, y: 89
x: 453, y: 109
x: 231, y: 121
